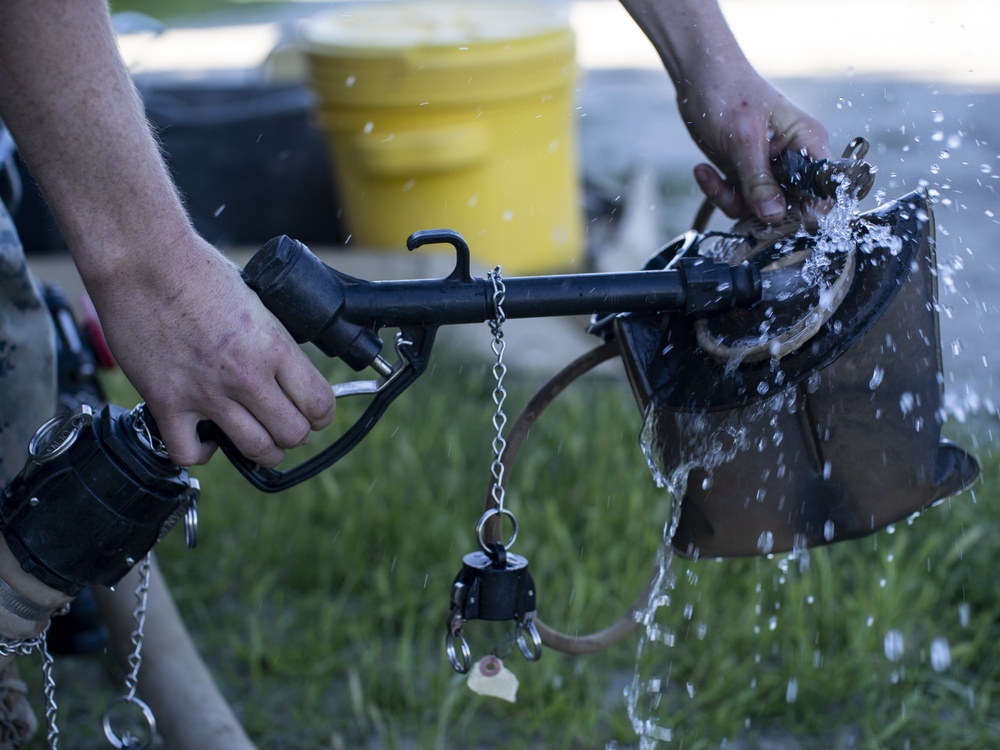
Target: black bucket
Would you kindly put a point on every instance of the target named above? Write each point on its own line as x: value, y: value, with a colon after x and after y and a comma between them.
x: 832, y: 439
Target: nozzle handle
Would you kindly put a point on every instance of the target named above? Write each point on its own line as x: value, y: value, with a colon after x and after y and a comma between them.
x: 342, y: 315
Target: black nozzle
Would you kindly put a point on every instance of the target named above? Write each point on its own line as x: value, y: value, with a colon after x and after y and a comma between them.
x: 308, y: 296
x: 716, y: 287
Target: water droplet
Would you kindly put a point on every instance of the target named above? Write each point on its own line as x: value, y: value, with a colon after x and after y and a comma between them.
x: 827, y: 469
x: 906, y: 402
x: 369, y: 127
x: 350, y: 81
x: 829, y: 529
x: 940, y: 654
x: 963, y: 614
x: 877, y: 375
x: 893, y: 645
x: 765, y: 543
x: 792, y: 691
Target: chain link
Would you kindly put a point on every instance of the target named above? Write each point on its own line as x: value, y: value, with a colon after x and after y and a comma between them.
x: 26, y: 647
x: 499, y: 394
x: 146, y: 435
x: 138, y: 635
x: 128, y: 741
x: 50, y: 695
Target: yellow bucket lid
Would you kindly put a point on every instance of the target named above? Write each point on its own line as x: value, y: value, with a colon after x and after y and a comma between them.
x: 443, y: 51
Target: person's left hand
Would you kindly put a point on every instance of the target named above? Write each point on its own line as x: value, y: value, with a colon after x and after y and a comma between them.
x: 741, y: 122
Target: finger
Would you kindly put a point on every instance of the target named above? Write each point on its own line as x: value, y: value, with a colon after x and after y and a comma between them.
x: 180, y: 436
x: 762, y: 193
x: 722, y: 194
x: 758, y: 185
x: 310, y: 394
x: 250, y: 436
x: 278, y: 417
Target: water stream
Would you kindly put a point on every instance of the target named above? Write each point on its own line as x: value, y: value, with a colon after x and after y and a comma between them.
x: 707, y: 442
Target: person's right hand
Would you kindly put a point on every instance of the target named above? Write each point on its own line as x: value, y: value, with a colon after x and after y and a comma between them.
x: 198, y: 345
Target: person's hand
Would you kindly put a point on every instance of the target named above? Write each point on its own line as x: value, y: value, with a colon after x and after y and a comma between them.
x: 740, y: 122
x: 736, y: 117
x: 198, y: 345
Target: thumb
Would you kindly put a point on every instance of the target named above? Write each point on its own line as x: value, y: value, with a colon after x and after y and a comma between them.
x: 761, y: 192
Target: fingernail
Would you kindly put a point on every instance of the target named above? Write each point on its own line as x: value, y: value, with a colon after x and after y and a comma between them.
x: 772, y: 208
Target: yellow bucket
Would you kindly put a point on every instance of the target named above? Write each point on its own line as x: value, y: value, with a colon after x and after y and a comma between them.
x: 456, y: 115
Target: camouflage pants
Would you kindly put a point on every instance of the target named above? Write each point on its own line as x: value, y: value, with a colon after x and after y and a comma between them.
x: 27, y: 398
x: 27, y: 354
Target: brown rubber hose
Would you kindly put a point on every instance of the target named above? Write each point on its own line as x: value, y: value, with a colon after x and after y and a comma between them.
x: 601, y: 639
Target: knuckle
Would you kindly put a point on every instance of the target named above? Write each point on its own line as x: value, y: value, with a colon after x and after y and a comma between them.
x: 260, y: 449
x: 298, y: 435
x: 319, y: 411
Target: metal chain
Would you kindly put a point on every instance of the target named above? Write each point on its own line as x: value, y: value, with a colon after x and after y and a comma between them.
x: 499, y: 394
x: 50, y: 694
x: 146, y: 435
x: 128, y: 741
x: 138, y: 635
x: 27, y: 647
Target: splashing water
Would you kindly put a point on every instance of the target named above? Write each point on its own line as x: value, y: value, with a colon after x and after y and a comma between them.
x: 706, y: 448
x: 707, y: 444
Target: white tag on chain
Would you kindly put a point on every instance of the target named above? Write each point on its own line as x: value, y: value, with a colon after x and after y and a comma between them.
x: 490, y: 677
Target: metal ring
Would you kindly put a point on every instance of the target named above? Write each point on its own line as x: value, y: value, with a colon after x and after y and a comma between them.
x: 191, y: 522
x: 463, y: 666
x: 856, y: 149
x: 482, y: 525
x: 58, y: 434
x: 532, y: 651
x: 120, y: 742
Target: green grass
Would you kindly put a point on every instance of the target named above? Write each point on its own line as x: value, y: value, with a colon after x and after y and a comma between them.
x: 321, y: 610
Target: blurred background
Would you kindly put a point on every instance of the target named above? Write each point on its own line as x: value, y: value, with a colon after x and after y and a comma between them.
x: 322, y: 611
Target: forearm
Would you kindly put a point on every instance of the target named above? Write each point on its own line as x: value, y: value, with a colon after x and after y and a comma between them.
x: 689, y: 35
x: 73, y: 110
